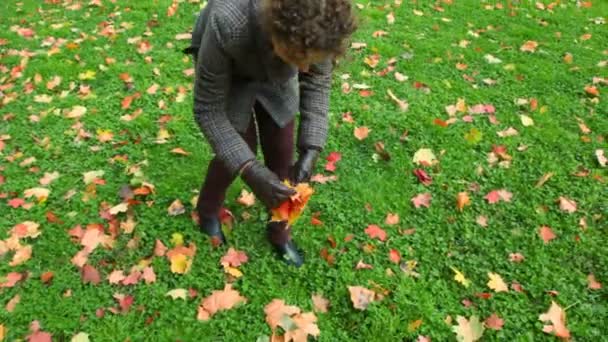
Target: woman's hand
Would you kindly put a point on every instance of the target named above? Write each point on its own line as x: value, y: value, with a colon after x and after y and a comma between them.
x: 266, y: 185
x: 305, y: 166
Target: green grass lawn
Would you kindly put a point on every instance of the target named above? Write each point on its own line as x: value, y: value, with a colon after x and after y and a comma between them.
x: 445, y: 52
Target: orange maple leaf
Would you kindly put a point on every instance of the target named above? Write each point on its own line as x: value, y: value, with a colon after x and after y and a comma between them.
x: 291, y: 209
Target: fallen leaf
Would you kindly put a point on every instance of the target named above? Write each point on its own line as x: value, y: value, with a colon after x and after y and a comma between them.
x: 179, y: 150
x: 46, y: 277
x: 37, y: 335
x: 49, y: 178
x: 176, y: 208
x: 496, y: 283
x: 41, y: 194
x: 361, y: 297
x: 529, y: 46
x: 80, y: 337
x: 90, y: 275
x: 482, y: 221
x: 422, y: 200
x: 320, y: 303
x: 557, y: 316
x: 116, y: 277
x: 546, y: 234
x: 567, y: 205
x: 178, y: 294
x: 544, y: 179
x: 27, y: 229
x: 159, y: 248
x: 462, y: 200
x: 423, y: 177
x: 424, y: 157
x: 402, y: 104
x: 392, y: 219
x: 494, y: 322
x: 10, y: 306
x: 361, y: 132
x: 120, y: 208
x: 247, y: 198
x: 516, y: 257
x: 148, y: 275
x: 496, y: 196
x: 459, y: 277
x: 414, y: 325
x: 394, y: 256
x: 373, y: 231
x: 361, y: 266
x: 219, y: 300
x: 468, y: 330
x: 593, y: 283
x: 22, y: 255
x: 526, y: 120
x: 91, y: 176
x: 601, y: 158
x: 11, y: 279
x: 234, y: 258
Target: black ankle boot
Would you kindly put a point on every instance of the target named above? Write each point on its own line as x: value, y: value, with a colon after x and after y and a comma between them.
x: 212, y: 227
x: 284, y: 246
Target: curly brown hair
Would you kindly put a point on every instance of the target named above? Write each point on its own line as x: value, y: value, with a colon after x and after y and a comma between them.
x: 310, y: 26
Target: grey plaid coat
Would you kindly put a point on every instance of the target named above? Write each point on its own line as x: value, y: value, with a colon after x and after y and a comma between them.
x: 236, y: 66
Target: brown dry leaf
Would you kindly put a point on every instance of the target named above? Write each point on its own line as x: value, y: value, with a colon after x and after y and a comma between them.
x: 402, y: 104
x: 320, y: 303
x: 41, y: 194
x: 544, y: 179
x: 470, y: 330
x: 49, y: 178
x: 361, y: 297
x: 567, y: 205
x: 22, y: 255
x: 601, y: 158
x: 27, y: 229
x: 546, y: 233
x: 593, y: 283
x: 10, y: 306
x: 392, y: 219
x: 557, y: 316
x: 529, y: 46
x: 482, y: 221
x: 361, y: 132
x: 219, y: 300
x: 116, y: 277
x: 462, y: 200
x: 159, y: 248
x: 496, y: 283
x: 90, y: 275
x: 246, y: 198
x: 176, y: 208
x: 179, y: 150
x: 494, y: 322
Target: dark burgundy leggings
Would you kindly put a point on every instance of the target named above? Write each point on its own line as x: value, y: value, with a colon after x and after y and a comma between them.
x: 277, y: 146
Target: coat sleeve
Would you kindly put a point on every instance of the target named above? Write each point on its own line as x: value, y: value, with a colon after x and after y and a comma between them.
x: 314, y: 104
x: 211, y: 88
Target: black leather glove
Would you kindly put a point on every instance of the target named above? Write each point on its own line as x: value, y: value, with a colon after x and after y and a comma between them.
x: 305, y: 166
x: 266, y: 185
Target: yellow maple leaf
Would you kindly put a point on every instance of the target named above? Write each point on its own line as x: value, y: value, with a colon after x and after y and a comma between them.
x: 459, y: 277
x: 496, y: 283
x: 177, y: 239
x: 233, y: 271
x: 87, y: 75
x: 180, y: 264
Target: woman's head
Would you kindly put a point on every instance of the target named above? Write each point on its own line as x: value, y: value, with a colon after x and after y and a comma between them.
x: 308, y: 31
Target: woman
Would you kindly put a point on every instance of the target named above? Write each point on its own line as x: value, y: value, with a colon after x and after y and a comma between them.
x: 258, y: 63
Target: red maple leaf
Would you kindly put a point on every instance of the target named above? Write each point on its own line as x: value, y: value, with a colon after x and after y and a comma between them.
x: 375, y: 232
